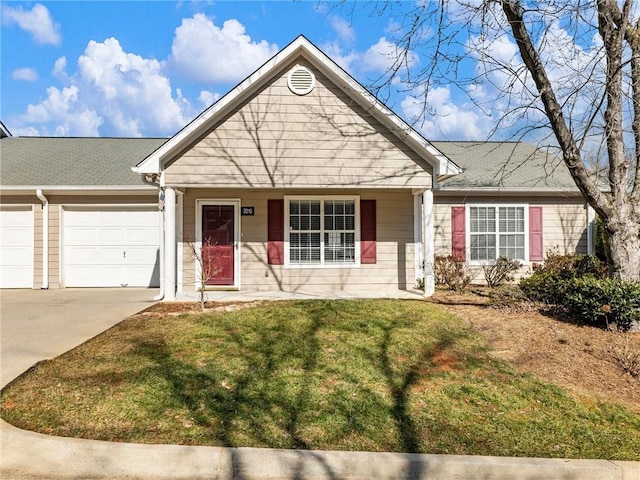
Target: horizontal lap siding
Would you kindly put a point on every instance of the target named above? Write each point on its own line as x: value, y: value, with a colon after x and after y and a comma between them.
x: 279, y: 139
x: 564, y: 222
x: 394, y: 245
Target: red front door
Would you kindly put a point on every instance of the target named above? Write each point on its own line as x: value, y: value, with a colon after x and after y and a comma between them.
x: 218, y: 249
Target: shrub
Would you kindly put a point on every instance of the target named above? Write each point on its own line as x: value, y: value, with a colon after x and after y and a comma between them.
x: 627, y: 356
x: 604, y: 301
x: 451, y: 271
x: 548, y: 283
x: 500, y: 271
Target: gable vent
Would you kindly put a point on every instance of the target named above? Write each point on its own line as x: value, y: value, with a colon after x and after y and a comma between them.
x: 301, y: 80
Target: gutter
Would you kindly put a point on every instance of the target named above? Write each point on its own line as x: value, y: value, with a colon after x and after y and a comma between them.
x: 45, y: 238
x: 152, y: 179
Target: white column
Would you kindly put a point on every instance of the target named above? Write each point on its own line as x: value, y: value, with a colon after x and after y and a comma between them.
x: 169, y: 244
x: 417, y: 235
x: 428, y: 243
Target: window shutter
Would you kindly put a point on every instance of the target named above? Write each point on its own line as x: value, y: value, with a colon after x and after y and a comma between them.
x: 458, y: 234
x: 275, y: 232
x: 535, y: 234
x: 367, y: 231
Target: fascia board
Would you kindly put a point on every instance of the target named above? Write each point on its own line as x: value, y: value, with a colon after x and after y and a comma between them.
x: 509, y: 191
x: 13, y: 189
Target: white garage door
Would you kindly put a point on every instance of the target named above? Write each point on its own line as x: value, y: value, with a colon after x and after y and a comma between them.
x: 16, y: 247
x: 111, y: 247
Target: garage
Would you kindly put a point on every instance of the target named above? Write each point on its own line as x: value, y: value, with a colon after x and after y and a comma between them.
x: 16, y: 247
x: 111, y: 246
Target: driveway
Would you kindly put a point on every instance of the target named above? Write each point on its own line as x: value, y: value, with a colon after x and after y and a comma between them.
x: 41, y: 324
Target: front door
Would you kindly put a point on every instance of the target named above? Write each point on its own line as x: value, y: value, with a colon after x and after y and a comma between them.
x: 218, y: 244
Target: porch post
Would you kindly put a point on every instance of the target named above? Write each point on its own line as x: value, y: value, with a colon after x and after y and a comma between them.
x: 428, y: 243
x: 169, y: 243
x: 417, y: 234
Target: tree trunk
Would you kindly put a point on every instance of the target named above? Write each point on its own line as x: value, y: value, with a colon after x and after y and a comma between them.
x: 624, y: 241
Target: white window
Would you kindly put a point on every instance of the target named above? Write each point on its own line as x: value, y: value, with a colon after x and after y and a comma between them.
x: 321, y: 231
x: 497, y: 231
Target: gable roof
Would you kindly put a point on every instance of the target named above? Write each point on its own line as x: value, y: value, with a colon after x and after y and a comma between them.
x: 512, y: 166
x: 300, y: 46
x: 72, y: 162
x: 4, y: 131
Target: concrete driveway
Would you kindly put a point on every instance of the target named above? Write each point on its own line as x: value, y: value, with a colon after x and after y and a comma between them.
x: 41, y: 324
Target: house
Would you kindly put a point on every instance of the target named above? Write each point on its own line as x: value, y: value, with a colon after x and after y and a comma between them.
x: 298, y: 180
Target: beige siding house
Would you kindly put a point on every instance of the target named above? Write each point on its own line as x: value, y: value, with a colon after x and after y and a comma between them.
x: 297, y: 181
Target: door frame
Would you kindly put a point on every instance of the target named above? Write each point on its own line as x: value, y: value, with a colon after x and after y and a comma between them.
x: 235, y: 202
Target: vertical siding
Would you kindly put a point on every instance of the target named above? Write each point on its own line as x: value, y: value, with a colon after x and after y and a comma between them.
x: 280, y: 139
x: 395, y: 261
x: 55, y: 242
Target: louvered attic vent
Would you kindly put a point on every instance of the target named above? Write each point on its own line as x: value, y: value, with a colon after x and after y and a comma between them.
x: 301, y: 80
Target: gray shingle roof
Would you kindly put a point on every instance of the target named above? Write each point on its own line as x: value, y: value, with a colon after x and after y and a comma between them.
x: 59, y: 161
x: 504, y: 165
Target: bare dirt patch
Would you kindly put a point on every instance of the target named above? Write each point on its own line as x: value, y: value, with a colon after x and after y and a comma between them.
x: 579, y: 357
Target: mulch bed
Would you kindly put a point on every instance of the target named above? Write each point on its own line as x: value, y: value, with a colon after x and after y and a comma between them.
x: 579, y: 357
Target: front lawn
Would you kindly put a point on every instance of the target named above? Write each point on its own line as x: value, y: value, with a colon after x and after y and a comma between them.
x: 372, y: 375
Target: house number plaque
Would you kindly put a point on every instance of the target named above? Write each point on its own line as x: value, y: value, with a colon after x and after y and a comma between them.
x: 248, y: 211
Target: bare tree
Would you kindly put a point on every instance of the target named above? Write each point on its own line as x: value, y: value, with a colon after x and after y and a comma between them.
x: 206, y: 262
x: 565, y: 72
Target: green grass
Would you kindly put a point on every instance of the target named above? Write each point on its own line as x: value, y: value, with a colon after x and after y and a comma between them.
x: 381, y: 375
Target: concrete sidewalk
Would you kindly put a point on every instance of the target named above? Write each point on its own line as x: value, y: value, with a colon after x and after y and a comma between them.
x: 39, y: 325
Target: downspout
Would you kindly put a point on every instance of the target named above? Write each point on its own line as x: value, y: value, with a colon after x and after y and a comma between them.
x: 45, y: 238
x: 153, y: 181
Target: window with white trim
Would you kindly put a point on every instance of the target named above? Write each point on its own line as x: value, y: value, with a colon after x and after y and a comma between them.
x: 497, y: 231
x: 321, y: 231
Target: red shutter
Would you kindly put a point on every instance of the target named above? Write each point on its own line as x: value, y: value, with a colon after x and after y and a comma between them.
x: 367, y: 231
x: 458, y: 234
x: 275, y: 232
x: 535, y: 234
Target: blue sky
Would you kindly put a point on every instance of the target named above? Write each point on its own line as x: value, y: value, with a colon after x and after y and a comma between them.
x: 146, y: 68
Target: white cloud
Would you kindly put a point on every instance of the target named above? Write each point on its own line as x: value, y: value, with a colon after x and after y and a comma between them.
x: 378, y: 58
x: 444, y: 118
x: 38, y: 22
x: 206, y: 98
x: 204, y: 52
x: 62, y: 113
x: 382, y: 56
x: 60, y: 67
x: 111, y: 93
x: 130, y: 91
x: 25, y: 74
x: 343, y: 28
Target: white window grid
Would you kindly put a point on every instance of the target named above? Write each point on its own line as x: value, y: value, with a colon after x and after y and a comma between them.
x: 497, y: 231
x: 322, y: 231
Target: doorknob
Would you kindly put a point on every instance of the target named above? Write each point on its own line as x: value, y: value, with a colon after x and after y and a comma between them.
x: 124, y: 254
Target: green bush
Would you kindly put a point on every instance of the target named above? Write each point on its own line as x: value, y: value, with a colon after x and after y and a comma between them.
x: 604, y: 301
x: 549, y: 281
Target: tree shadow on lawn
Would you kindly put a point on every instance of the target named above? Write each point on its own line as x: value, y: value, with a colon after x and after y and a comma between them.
x: 278, y: 391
